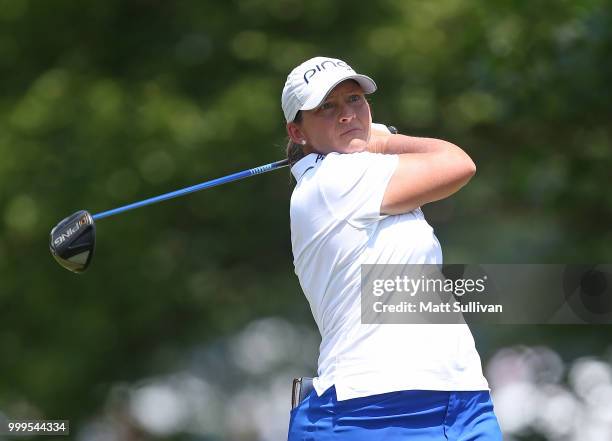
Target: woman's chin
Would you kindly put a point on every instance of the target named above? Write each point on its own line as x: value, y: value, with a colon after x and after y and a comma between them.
x: 356, y: 145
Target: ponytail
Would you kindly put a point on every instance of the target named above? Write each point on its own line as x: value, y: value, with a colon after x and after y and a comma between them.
x: 294, y: 151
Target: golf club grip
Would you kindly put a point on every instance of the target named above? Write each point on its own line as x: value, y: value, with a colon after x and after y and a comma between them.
x: 212, y: 183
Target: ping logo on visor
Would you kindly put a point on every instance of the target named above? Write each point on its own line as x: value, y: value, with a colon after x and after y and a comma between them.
x: 323, y: 66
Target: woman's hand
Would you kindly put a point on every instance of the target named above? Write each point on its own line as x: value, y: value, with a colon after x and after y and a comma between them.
x: 378, y: 141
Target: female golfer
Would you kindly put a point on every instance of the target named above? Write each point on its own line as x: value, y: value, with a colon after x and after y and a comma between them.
x: 357, y: 201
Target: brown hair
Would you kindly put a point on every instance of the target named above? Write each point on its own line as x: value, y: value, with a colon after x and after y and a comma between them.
x: 295, y: 151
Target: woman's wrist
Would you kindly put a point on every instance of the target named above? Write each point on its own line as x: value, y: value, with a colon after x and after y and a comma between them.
x: 399, y: 144
x: 395, y: 144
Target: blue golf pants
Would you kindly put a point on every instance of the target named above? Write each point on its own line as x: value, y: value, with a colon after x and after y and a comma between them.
x: 415, y: 415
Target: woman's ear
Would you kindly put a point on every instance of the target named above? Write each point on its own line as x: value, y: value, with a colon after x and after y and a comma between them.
x: 295, y: 133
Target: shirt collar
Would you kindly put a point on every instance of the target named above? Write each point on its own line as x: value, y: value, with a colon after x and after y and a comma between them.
x: 304, y: 164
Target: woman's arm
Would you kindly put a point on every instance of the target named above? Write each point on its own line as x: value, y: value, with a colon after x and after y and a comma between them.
x: 428, y: 170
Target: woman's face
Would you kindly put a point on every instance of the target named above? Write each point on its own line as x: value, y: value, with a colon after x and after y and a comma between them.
x: 340, y: 124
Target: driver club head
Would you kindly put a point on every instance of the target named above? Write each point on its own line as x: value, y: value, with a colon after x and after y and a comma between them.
x: 72, y: 241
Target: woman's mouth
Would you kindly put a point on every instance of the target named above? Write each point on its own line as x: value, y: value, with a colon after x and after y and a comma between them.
x: 350, y: 131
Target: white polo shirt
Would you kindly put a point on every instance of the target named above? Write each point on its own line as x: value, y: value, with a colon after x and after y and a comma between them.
x: 335, y: 227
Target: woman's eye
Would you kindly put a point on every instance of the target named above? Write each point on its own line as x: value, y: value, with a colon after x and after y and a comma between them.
x: 354, y: 98
x: 327, y: 105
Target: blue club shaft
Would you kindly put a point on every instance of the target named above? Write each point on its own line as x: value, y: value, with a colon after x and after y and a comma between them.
x: 212, y: 183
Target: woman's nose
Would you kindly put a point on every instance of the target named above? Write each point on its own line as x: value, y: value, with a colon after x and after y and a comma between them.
x: 346, y: 114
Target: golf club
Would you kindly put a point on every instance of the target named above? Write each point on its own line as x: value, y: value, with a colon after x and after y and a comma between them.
x: 72, y: 241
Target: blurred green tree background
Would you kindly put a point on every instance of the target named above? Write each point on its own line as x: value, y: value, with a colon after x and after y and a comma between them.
x: 104, y: 103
